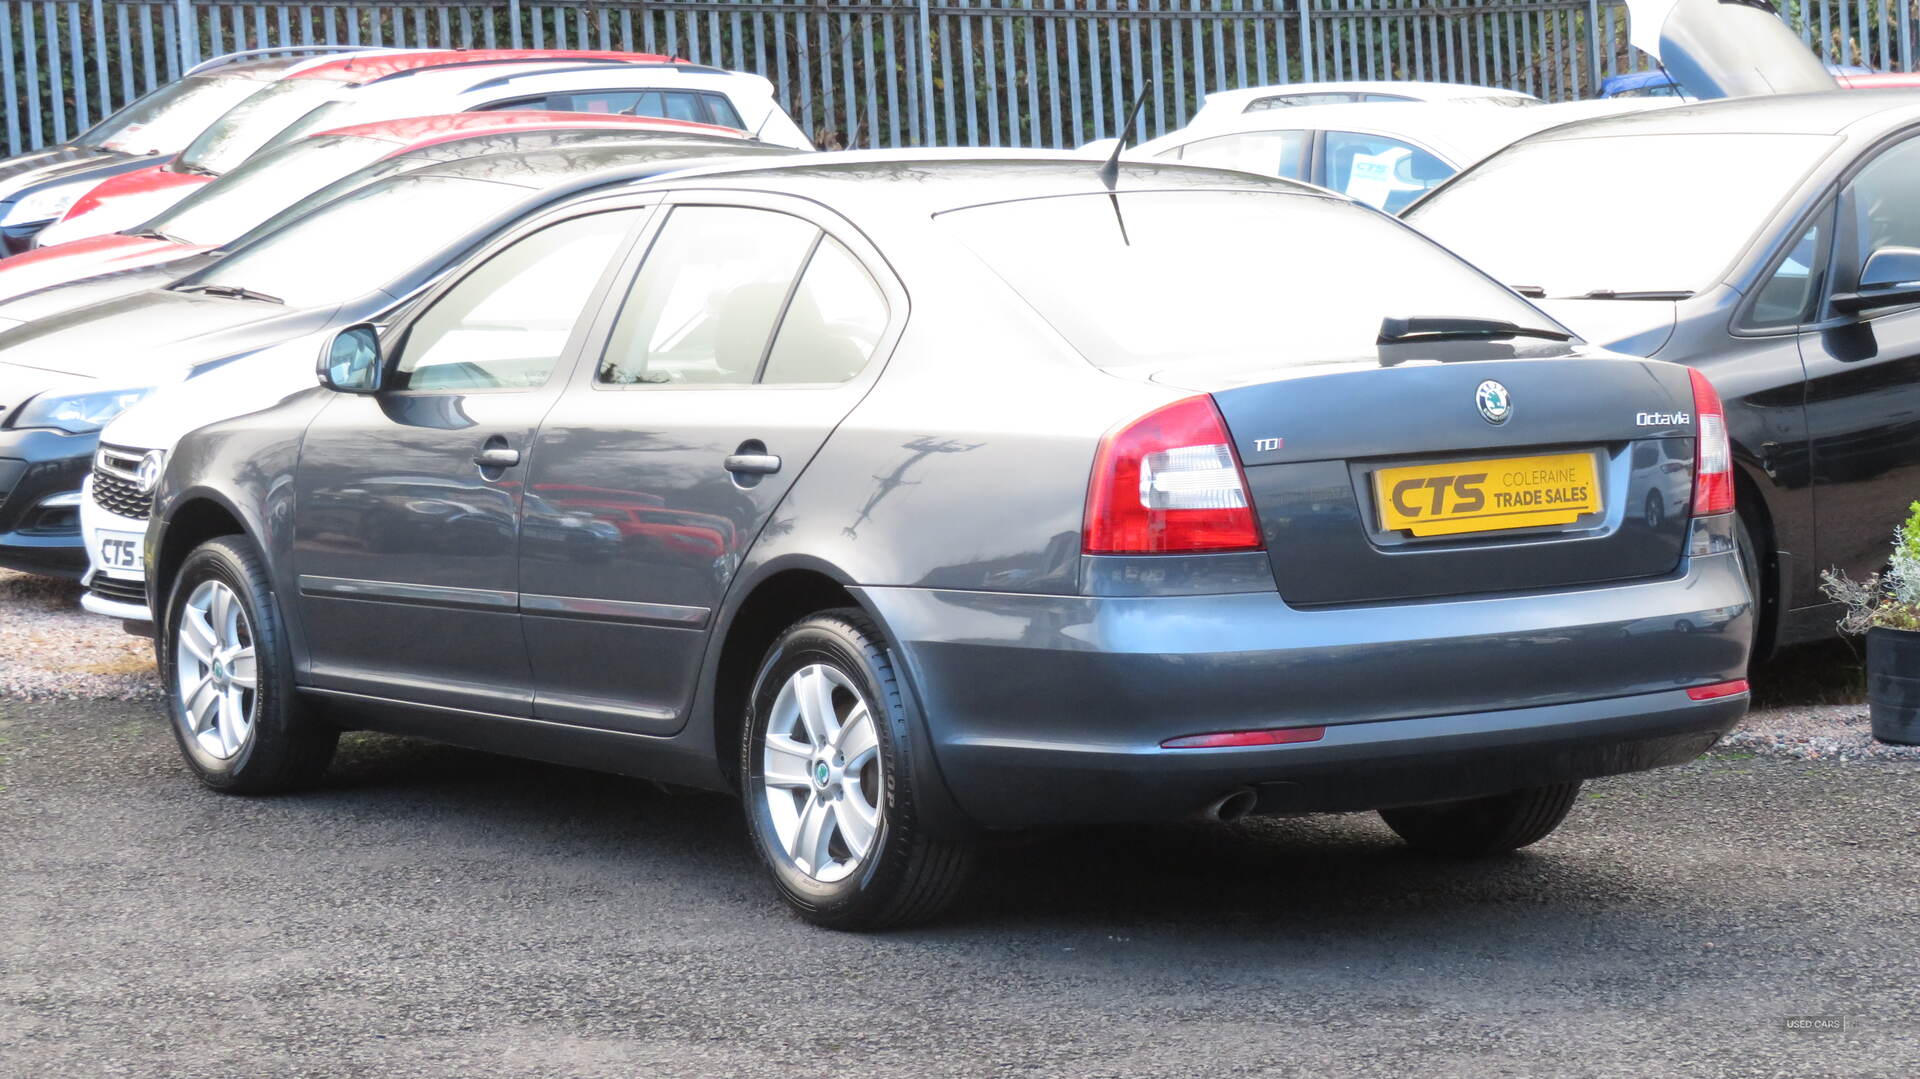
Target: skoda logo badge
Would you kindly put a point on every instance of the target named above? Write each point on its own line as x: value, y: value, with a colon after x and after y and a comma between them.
x: 821, y: 776
x: 1495, y: 404
x: 148, y: 475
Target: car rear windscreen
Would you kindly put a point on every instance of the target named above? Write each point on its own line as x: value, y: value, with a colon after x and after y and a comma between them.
x: 1217, y: 278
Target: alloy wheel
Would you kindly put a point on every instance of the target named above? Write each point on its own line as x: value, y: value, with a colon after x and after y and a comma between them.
x: 821, y: 773
x: 214, y: 670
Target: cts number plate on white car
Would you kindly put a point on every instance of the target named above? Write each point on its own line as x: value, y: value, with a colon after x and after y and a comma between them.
x: 119, y: 551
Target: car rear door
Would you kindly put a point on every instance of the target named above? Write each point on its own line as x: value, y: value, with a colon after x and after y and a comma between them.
x: 735, y: 342
x: 408, y: 501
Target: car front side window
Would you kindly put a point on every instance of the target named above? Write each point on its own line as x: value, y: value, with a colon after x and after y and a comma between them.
x: 1786, y: 298
x: 506, y: 324
x: 1880, y: 208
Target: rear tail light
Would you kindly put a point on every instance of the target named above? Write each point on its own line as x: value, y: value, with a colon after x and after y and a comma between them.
x: 1713, y: 453
x: 1717, y: 690
x: 1169, y: 482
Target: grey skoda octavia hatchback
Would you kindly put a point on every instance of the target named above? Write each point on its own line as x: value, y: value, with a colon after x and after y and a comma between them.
x: 916, y: 499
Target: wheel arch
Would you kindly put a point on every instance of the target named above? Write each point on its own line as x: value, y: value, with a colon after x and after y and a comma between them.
x: 780, y: 594
x: 195, y: 517
x: 1751, y: 506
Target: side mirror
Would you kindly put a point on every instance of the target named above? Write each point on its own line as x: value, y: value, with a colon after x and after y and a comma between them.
x: 1890, y: 278
x: 351, y: 363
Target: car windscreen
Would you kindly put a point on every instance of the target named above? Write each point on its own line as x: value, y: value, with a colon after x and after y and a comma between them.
x: 1223, y: 278
x: 168, y: 118
x: 362, y: 242
x: 1626, y: 213
x: 247, y: 126
x: 263, y: 186
x: 342, y: 113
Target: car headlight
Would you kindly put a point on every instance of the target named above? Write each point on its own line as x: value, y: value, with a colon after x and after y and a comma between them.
x: 77, y: 413
x: 47, y: 204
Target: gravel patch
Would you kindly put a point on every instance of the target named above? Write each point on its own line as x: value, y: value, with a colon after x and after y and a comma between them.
x: 50, y: 649
x: 1819, y: 732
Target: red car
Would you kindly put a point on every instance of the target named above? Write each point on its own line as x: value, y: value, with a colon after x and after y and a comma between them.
x: 227, y: 209
x: 137, y: 195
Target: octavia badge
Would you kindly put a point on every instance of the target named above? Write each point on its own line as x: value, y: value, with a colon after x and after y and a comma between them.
x: 1494, y: 401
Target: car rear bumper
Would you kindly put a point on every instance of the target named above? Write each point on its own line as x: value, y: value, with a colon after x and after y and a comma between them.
x: 1053, y: 709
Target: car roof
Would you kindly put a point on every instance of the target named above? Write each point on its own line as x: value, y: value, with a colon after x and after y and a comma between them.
x: 545, y: 167
x: 1461, y: 132
x: 1425, y: 91
x: 417, y: 131
x: 925, y: 182
x: 1829, y: 112
x: 361, y: 68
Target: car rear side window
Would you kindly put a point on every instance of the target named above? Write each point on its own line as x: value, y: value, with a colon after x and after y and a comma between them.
x: 703, y: 306
x: 832, y: 324
x: 1384, y: 173
x: 1269, y: 153
x: 506, y: 324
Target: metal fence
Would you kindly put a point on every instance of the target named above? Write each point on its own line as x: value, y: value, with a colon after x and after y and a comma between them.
x: 908, y: 72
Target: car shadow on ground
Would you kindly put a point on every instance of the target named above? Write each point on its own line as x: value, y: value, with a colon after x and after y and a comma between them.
x: 1323, y: 872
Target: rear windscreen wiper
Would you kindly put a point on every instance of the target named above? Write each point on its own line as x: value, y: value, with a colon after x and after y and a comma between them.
x: 230, y: 291
x: 1649, y: 294
x: 1394, y: 330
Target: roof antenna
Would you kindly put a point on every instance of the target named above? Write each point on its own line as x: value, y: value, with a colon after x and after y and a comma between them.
x: 1110, y: 172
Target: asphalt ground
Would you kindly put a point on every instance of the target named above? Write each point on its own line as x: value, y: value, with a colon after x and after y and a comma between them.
x: 437, y: 912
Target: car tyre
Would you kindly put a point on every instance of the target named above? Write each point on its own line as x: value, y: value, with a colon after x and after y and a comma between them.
x: 829, y: 787
x: 1476, y: 827
x: 229, y: 677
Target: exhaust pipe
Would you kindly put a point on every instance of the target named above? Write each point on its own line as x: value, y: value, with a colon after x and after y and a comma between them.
x: 1230, y: 806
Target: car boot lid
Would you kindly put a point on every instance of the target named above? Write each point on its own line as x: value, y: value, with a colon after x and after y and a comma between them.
x: 1726, y: 48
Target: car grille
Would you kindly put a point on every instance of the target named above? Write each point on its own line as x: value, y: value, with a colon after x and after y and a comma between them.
x: 119, y: 591
x: 115, y: 487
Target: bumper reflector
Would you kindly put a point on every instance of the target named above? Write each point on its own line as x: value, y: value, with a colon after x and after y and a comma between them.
x: 1227, y: 739
x: 1717, y: 689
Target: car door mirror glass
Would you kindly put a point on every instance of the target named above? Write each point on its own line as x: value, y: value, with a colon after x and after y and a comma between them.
x: 352, y: 363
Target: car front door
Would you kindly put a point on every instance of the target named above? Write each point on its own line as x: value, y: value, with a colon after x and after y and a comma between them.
x: 1863, y: 376
x: 735, y: 343
x: 407, y: 500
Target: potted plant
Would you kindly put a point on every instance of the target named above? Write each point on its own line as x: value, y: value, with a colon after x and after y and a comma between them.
x: 1886, y: 607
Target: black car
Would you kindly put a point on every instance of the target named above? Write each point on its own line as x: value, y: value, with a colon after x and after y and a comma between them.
x: 919, y: 497
x: 1771, y: 242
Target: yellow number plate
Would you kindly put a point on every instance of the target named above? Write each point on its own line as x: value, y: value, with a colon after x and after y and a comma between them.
x: 1486, y: 496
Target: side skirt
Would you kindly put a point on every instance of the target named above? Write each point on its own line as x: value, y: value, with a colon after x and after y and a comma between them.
x: 620, y: 752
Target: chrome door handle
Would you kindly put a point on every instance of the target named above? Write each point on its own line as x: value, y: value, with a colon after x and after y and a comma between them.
x: 753, y: 464
x: 497, y: 457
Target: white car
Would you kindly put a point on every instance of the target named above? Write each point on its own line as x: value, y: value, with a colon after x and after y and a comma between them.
x: 669, y: 90
x: 1383, y: 155
x: 1224, y: 105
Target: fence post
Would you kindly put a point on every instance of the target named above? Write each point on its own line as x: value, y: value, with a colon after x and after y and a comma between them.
x: 188, y: 38
x: 1592, y: 88
x: 1306, y: 45
x: 926, y: 76
x: 513, y: 20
